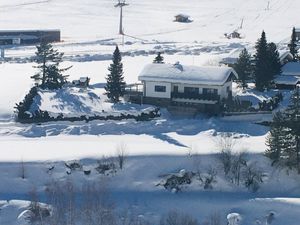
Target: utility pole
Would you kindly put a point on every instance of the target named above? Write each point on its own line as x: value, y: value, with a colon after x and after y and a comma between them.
x: 242, y: 23
x: 268, y: 7
x: 121, y: 4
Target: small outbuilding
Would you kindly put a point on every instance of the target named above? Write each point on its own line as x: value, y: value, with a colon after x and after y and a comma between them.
x: 182, y: 18
x: 234, y: 34
x: 83, y: 82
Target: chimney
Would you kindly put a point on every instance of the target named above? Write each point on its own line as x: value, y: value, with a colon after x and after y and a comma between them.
x: 178, y: 66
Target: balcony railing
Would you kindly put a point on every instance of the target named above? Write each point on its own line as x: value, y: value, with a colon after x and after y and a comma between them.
x: 195, y: 96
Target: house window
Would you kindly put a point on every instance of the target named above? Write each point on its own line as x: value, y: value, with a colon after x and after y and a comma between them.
x: 210, y: 91
x: 191, y: 90
x: 159, y: 88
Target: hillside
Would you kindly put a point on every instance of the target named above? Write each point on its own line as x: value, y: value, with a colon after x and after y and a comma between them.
x: 98, y: 20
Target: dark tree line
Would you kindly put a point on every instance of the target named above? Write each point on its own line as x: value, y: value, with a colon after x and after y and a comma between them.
x: 284, y: 139
x: 264, y: 66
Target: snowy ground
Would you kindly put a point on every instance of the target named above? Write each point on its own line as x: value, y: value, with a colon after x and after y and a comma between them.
x: 135, y: 186
x: 89, y: 33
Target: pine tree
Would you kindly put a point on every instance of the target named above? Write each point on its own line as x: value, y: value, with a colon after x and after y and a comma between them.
x: 243, y: 67
x: 273, y: 61
x: 293, y: 123
x: 293, y: 45
x: 48, y: 60
x: 159, y: 58
x: 261, y: 65
x: 277, y: 141
x: 115, y: 85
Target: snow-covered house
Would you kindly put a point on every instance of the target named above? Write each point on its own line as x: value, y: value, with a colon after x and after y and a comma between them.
x: 289, y: 77
x: 203, y: 88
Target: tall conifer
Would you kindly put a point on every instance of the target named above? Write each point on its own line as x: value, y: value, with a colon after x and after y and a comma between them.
x: 115, y: 86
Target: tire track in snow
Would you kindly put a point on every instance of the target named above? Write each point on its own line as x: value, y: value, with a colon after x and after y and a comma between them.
x: 24, y: 4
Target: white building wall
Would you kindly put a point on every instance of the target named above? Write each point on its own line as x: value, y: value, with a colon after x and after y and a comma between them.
x: 150, y: 89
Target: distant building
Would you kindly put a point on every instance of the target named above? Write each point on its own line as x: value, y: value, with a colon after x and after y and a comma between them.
x: 290, y: 76
x: 28, y: 37
x: 182, y: 18
x: 284, y: 56
x: 297, y: 30
x: 201, y: 88
x: 83, y: 82
x: 234, y: 34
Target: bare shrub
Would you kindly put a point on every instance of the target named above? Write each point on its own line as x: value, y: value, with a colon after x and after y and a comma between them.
x: 121, y: 155
x: 210, y: 179
x: 253, y: 177
x: 130, y: 216
x: 239, y: 162
x: 214, y: 219
x: 39, y: 212
x: 96, y: 207
x: 233, y: 163
x: 61, y: 196
x: 176, y: 218
x: 226, y: 143
x: 197, y: 166
x: 106, y: 166
x: 226, y: 159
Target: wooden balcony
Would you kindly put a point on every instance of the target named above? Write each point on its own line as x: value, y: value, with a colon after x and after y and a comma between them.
x: 195, y: 96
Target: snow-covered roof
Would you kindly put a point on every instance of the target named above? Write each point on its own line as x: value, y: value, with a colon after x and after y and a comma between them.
x: 186, y: 74
x: 83, y: 79
x: 25, y: 31
x: 287, y: 80
x: 291, y: 69
x: 182, y: 15
x: 284, y: 54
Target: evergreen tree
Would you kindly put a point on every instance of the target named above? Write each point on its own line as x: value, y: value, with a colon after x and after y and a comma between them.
x: 293, y: 123
x: 261, y: 65
x: 277, y: 141
x: 159, y: 58
x: 293, y: 45
x: 267, y: 63
x: 284, y: 139
x: 243, y: 67
x: 273, y: 61
x: 49, y: 74
x: 115, y: 85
